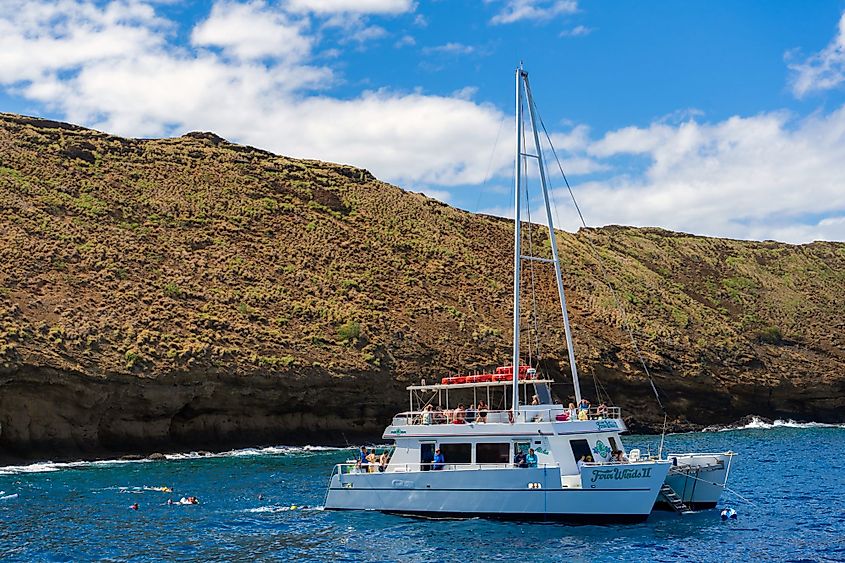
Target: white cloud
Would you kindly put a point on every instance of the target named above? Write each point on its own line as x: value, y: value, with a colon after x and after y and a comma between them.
x: 324, y: 7
x: 517, y: 10
x: 746, y: 177
x: 451, y: 49
x: 823, y: 70
x: 252, y: 30
x: 38, y: 38
x: 577, y: 31
x: 405, y: 41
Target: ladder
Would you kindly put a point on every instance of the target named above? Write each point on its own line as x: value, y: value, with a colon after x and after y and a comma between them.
x: 674, y: 500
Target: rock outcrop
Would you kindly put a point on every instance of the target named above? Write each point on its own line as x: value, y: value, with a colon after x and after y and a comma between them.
x: 192, y: 293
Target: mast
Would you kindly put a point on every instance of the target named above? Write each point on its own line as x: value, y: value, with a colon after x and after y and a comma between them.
x: 517, y: 239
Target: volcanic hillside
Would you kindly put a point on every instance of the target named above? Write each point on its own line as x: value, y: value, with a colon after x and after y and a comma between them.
x: 190, y: 292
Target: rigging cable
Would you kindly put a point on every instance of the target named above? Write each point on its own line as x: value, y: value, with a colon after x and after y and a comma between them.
x: 534, y: 317
x: 606, y: 277
x: 490, y: 164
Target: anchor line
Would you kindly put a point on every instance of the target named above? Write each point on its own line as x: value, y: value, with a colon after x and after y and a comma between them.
x: 725, y: 487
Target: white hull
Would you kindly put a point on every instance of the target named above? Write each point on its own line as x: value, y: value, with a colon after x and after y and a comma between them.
x: 516, y: 493
x: 699, y: 479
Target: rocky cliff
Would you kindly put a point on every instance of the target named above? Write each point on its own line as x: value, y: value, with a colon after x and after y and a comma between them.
x: 190, y: 292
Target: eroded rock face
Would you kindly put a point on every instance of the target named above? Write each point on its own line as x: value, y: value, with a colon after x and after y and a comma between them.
x: 191, y: 293
x: 49, y: 413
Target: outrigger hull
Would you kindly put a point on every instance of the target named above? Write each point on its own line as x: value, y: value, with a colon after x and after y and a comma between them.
x: 698, y: 479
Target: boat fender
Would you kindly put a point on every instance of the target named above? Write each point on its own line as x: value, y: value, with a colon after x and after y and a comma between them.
x: 729, y: 513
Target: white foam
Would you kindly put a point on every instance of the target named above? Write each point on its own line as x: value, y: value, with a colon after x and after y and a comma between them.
x: 273, y: 509
x: 9, y: 497
x: 48, y: 466
x: 247, y: 452
x: 758, y: 424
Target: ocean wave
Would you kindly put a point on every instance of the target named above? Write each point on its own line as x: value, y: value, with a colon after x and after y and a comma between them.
x: 757, y: 423
x: 48, y: 466
x: 273, y: 509
x: 248, y: 452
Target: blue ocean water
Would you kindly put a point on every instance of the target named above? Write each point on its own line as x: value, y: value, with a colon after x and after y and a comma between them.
x: 792, y: 477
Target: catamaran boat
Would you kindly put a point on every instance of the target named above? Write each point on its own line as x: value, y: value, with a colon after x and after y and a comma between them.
x: 525, y: 459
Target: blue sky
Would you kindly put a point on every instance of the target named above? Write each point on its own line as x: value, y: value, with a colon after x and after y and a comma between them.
x: 717, y: 118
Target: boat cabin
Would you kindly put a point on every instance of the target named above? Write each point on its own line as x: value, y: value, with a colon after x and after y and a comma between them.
x: 446, y: 416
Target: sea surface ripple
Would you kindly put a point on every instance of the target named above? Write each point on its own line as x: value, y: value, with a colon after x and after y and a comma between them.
x: 789, y: 483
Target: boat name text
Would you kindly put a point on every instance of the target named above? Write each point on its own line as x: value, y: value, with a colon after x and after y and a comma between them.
x: 619, y: 474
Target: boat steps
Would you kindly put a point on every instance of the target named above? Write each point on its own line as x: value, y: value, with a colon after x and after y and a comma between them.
x: 674, y: 500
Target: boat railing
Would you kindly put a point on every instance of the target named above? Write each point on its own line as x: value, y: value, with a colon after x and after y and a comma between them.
x: 357, y: 469
x: 527, y: 413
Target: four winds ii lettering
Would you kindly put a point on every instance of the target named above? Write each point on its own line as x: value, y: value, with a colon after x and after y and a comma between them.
x: 618, y: 474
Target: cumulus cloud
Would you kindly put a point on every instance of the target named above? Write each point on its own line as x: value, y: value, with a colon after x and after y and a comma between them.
x: 253, y: 30
x: 748, y: 177
x: 823, y: 70
x: 451, y: 48
x: 518, y: 10
x: 324, y: 7
x: 577, y: 31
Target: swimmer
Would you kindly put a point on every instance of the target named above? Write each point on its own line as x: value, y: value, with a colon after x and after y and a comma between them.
x: 134, y: 506
x: 162, y: 489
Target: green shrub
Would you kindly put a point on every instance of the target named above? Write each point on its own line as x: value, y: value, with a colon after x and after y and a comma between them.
x: 770, y: 335
x: 172, y: 290
x: 350, y: 330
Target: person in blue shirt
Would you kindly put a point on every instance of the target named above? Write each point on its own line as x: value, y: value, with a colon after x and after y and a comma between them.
x: 439, y: 460
x: 531, y: 458
x: 363, y: 464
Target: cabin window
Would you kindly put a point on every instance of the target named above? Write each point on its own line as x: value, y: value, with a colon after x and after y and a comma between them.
x: 580, y: 448
x: 426, y: 455
x: 521, y: 447
x: 456, y: 453
x: 492, y: 453
x: 613, y: 445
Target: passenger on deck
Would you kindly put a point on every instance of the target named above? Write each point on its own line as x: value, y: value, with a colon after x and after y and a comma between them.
x: 371, y: 461
x: 362, y: 460
x: 439, y: 460
x: 519, y: 459
x: 573, y: 413
x: 428, y: 415
x: 581, y: 463
x: 471, y: 414
x: 459, y: 415
x: 582, y: 414
x: 531, y: 458
x: 535, y: 400
x: 584, y: 405
x: 382, y: 461
x: 601, y: 412
x: 482, y: 411
x: 439, y: 416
